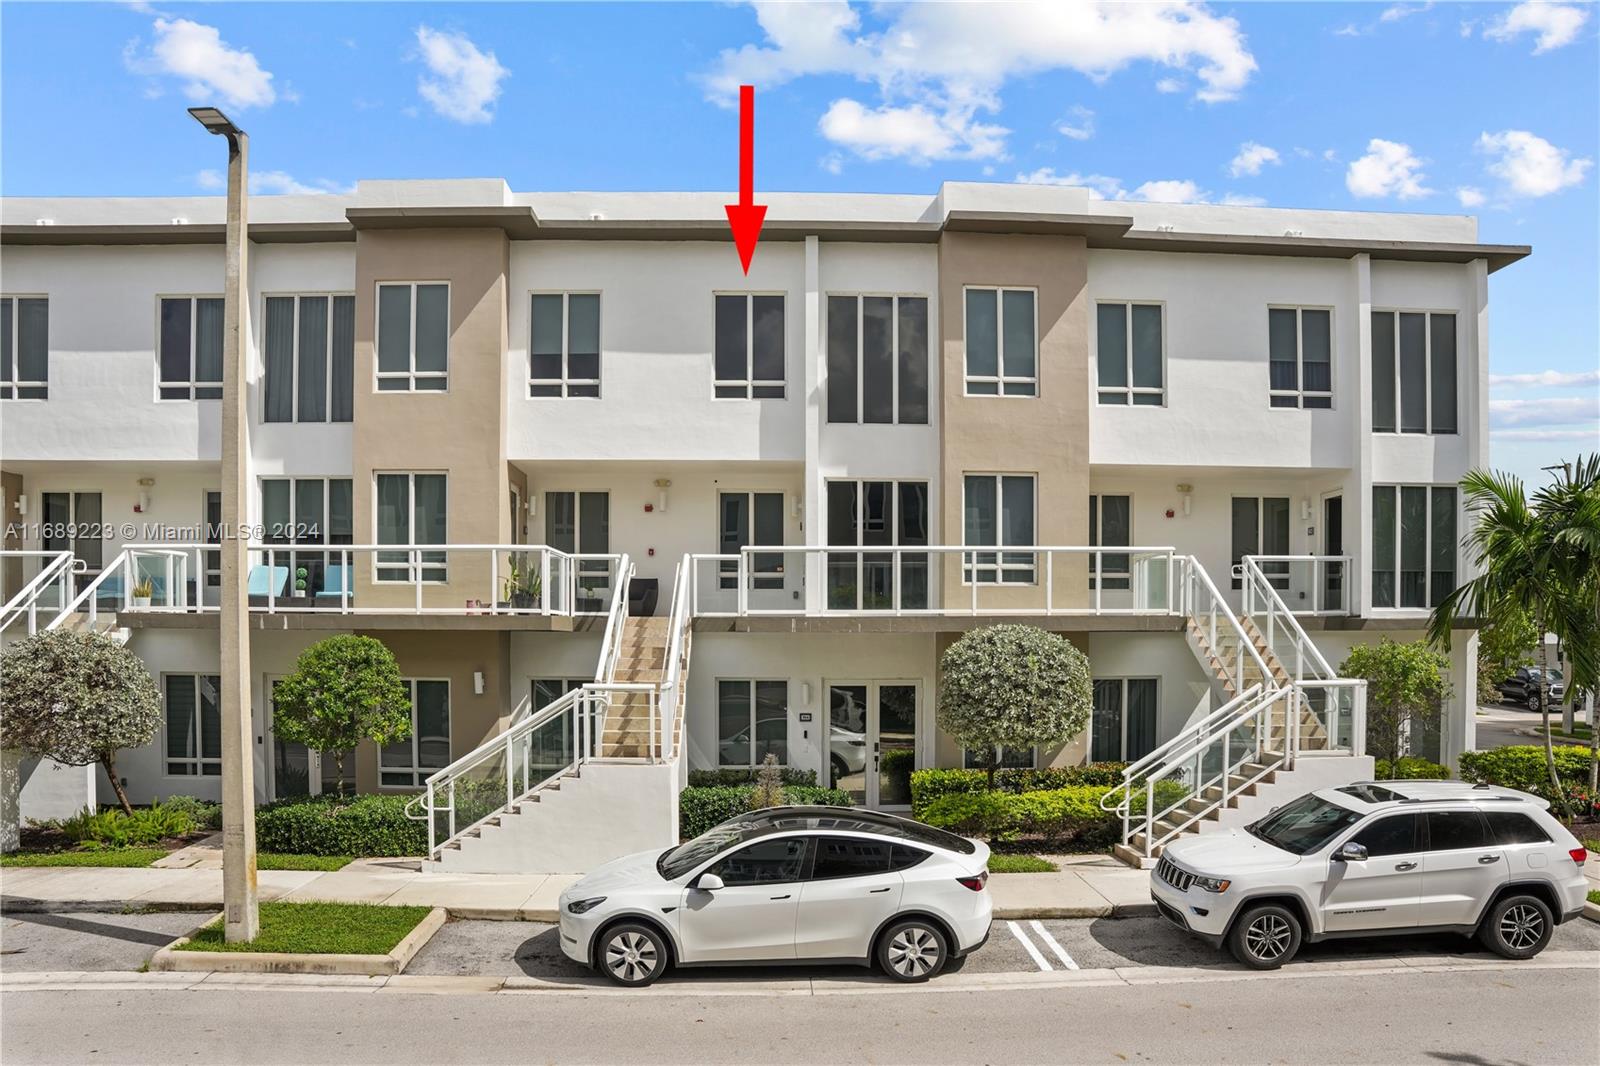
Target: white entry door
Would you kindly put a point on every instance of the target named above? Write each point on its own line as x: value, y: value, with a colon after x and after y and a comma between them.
x: 872, y: 740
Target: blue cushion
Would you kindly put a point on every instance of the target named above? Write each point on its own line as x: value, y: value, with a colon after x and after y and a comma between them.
x: 268, y: 580
x: 335, y: 581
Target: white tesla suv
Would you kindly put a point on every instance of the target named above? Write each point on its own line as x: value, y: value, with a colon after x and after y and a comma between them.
x: 785, y: 885
x: 1374, y: 858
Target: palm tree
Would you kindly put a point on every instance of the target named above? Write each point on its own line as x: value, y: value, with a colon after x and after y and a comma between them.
x: 1541, y: 557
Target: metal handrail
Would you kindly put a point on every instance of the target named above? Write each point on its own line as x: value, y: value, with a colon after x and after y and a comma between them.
x: 1319, y: 570
x: 1216, y: 608
x: 1257, y: 585
x: 57, y: 571
x: 679, y: 619
x: 1195, y: 731
x: 176, y: 561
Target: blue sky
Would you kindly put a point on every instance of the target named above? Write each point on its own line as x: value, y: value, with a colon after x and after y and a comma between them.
x: 1491, y: 109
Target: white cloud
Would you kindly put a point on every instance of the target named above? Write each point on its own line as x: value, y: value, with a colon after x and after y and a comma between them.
x: 1169, y: 85
x: 1548, y: 411
x: 1388, y: 169
x: 1530, y: 165
x: 212, y: 71
x: 1080, y: 127
x: 275, y: 183
x: 936, y: 67
x: 1170, y: 192
x: 1349, y: 29
x: 1547, y: 379
x: 1399, y: 11
x: 1590, y: 434
x: 1104, y: 187
x: 465, y: 82
x: 833, y: 163
x: 1100, y: 186
x: 1251, y: 158
x: 1470, y: 196
x: 1555, y: 24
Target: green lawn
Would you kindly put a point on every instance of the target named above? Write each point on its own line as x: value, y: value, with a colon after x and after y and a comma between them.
x: 1594, y: 897
x: 101, y: 857
x: 1592, y: 845
x: 1020, y: 864
x: 270, y: 861
x: 320, y: 928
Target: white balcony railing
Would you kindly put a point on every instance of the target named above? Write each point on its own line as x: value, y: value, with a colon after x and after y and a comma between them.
x: 937, y: 580
x: 46, y: 584
x: 1309, y: 584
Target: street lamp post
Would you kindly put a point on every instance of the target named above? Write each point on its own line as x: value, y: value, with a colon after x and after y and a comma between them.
x: 241, y: 918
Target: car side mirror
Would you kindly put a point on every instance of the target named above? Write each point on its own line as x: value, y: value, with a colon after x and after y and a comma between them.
x: 1350, y: 852
x: 708, y: 882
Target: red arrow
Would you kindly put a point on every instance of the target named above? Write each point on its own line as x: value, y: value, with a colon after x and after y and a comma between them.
x: 745, y: 217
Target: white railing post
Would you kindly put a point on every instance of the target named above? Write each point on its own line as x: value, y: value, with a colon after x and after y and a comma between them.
x: 544, y: 580
x: 1149, y: 814
x: 1049, y: 582
x: 452, y: 808
x: 415, y: 555
x: 494, y: 583
x: 972, y: 575
x: 429, y: 802
x: 1100, y: 578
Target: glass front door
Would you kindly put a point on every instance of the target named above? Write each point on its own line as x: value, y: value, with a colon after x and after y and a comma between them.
x: 872, y: 740
x: 1333, y: 544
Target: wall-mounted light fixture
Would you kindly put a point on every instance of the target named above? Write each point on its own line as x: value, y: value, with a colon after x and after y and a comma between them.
x: 662, y: 485
x: 805, y: 693
x: 1305, y: 510
x: 477, y: 682
x: 145, y: 485
x: 1185, y: 490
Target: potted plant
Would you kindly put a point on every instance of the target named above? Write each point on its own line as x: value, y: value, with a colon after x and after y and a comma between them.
x: 520, y: 589
x: 143, y: 590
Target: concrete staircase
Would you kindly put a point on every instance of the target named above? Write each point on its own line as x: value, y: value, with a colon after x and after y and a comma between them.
x: 1222, y: 665
x: 642, y: 659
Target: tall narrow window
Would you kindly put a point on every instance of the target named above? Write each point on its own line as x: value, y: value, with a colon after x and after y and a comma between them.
x: 1261, y: 527
x: 1413, y: 545
x: 998, y: 512
x: 752, y: 722
x: 191, y: 348
x: 1124, y: 725
x: 1110, y: 526
x: 410, y: 762
x: 213, y: 506
x: 308, y: 513
x: 745, y: 519
x: 310, y: 359
x: 749, y: 358
x: 564, y: 345
x: 411, y: 510
x: 413, y: 337
x: 73, y: 521
x: 580, y: 523
x: 1300, y: 357
x: 877, y: 514
x: 193, y: 705
x: 1414, y: 372
x: 24, y: 348
x: 878, y: 359
x: 1002, y: 343
x: 1129, y: 354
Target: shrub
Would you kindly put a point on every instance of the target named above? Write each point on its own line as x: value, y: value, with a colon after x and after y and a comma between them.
x: 974, y: 814
x: 746, y: 775
x: 700, y: 809
x: 1411, y: 768
x: 203, y: 813
x: 116, y: 829
x: 1523, y: 767
x: 1072, y: 813
x: 928, y: 785
x: 328, y: 825
x: 344, y: 689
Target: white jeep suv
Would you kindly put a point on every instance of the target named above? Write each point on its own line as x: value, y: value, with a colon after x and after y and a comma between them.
x: 1374, y: 858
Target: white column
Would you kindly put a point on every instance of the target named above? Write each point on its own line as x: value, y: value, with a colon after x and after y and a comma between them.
x: 816, y: 383
x: 1358, y: 486
x: 1458, y: 731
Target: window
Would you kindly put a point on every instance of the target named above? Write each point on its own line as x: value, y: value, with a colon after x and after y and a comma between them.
x: 24, y: 347
x: 1002, y: 343
x: 904, y: 858
x: 1261, y: 527
x: 580, y: 523
x: 194, y: 724
x: 1124, y: 725
x: 310, y: 359
x: 191, y: 348
x: 746, y: 518
x: 1457, y: 831
x: 998, y: 512
x: 409, y: 763
x: 749, y: 357
x: 1110, y: 526
x: 1414, y: 535
x: 213, y: 507
x: 1509, y: 827
x: 71, y: 521
x: 1414, y: 362
x: 1129, y: 354
x: 1008, y: 758
x: 877, y: 514
x: 411, y: 510
x: 1300, y: 357
x: 413, y: 337
x: 309, y: 511
x: 766, y: 862
x: 849, y: 857
x: 752, y: 722
x: 1395, y: 835
x: 549, y: 689
x: 564, y: 345
x: 878, y: 359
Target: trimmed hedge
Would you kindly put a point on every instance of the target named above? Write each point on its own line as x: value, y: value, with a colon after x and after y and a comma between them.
x: 1062, y: 814
x: 328, y: 825
x: 1523, y: 767
x: 702, y: 808
x: 929, y: 785
x: 1410, y: 768
x: 732, y: 776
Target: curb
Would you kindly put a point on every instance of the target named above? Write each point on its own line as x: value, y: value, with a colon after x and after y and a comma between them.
x: 171, y: 959
x: 1591, y: 911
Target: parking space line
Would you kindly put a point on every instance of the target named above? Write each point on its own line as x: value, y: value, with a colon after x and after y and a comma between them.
x: 1033, y: 952
x: 1061, y: 952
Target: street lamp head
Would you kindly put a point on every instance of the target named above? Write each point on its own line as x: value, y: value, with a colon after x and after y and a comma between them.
x: 215, y: 121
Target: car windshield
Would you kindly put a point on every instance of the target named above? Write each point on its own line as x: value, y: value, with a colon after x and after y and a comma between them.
x: 1304, y: 825
x: 675, y: 862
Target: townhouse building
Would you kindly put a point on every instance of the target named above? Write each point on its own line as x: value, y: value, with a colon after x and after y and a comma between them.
x: 541, y: 443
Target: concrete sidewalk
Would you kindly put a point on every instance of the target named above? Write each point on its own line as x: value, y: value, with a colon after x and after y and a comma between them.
x: 1085, y: 887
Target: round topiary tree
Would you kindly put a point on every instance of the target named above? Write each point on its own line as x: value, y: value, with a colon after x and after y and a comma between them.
x: 344, y: 690
x: 1013, y: 686
x: 77, y: 698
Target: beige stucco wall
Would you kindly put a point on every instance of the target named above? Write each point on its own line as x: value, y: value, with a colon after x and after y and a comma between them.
x: 459, y: 432
x: 1046, y: 435
x: 11, y: 574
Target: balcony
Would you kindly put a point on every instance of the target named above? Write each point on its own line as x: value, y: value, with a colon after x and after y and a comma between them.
x: 1310, y: 585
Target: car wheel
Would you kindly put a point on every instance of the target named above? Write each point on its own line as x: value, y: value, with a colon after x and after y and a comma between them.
x: 912, y: 950
x: 632, y: 954
x: 841, y: 769
x: 1532, y: 701
x: 1517, y: 927
x: 1265, y: 937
